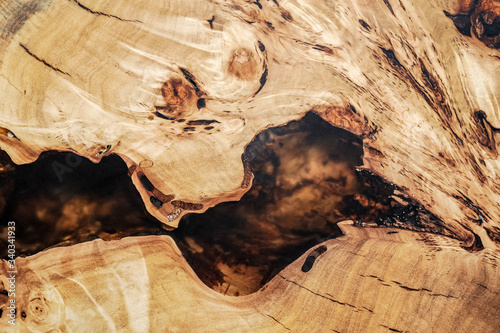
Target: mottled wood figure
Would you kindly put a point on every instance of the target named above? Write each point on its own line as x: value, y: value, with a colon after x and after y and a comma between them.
x: 179, y: 88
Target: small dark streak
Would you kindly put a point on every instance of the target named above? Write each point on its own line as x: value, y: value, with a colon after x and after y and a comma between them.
x: 328, y: 297
x: 270, y: 25
x: 436, y: 100
x: 485, y: 287
x: 262, y: 81
x: 389, y: 54
x: 486, y: 136
x: 157, y: 203
x: 375, y: 277
x: 159, y: 115
x: 145, y: 182
x: 247, y: 172
x: 388, y: 4
x: 201, y: 103
x: 43, y: 61
x: 434, y: 86
x: 258, y: 4
x: 420, y: 290
x: 208, y: 128
x: 276, y: 320
x: 189, y: 128
x: 375, y: 152
x: 263, y: 78
x: 365, y: 25
x: 287, y: 16
x: 323, y: 48
x: 186, y: 205
x: 276, y: 2
x: 161, y: 196
x: 201, y: 122
x: 262, y: 48
x: 466, y: 200
x: 181, y: 120
x: 249, y: 22
x: 103, y: 14
x: 211, y: 22
x: 442, y: 295
x: 402, y: 6
x: 480, y: 219
x: 429, y: 80
x: 409, y: 288
x: 479, y: 172
x: 190, y: 78
x: 131, y: 170
x: 268, y: 315
x: 392, y: 232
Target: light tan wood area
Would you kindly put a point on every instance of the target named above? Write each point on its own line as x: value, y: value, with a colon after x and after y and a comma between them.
x: 370, y: 280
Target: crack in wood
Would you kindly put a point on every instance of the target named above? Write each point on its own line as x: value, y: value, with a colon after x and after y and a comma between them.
x: 43, y: 61
x: 488, y: 289
x: 400, y: 285
x: 262, y: 80
x: 327, y: 297
x: 190, y: 78
x: 211, y: 22
x: 268, y: 315
x: 103, y: 14
x: 392, y: 329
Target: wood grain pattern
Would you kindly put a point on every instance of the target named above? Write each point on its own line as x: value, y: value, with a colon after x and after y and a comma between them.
x: 369, y: 280
x: 122, y: 78
x: 179, y: 88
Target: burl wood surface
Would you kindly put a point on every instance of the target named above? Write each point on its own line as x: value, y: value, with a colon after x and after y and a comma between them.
x: 177, y: 89
x: 370, y: 280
